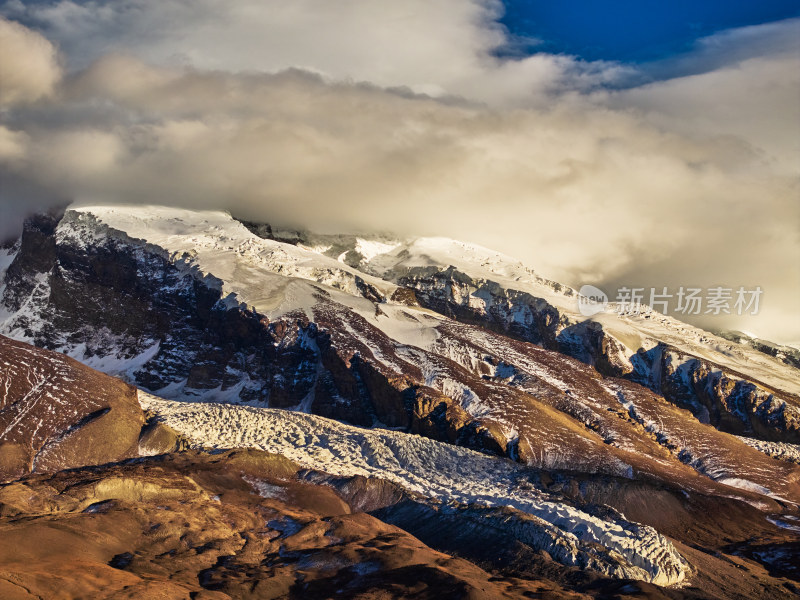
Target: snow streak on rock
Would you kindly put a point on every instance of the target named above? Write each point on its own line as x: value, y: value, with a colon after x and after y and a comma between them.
x: 779, y: 450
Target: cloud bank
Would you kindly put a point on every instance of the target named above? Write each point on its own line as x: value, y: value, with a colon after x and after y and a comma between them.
x: 402, y: 118
x: 28, y: 67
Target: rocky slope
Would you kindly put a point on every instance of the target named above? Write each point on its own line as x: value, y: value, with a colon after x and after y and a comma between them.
x: 56, y: 413
x: 249, y: 524
x: 729, y: 381
x: 229, y: 526
x: 439, y: 477
x: 442, y: 473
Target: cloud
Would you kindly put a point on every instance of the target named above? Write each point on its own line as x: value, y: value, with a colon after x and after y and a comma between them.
x: 28, y: 66
x: 12, y: 146
x: 731, y: 47
x: 689, y: 181
x: 437, y: 47
x: 743, y: 83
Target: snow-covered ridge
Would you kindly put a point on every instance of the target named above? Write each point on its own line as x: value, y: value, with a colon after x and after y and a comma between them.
x: 244, y: 265
x: 172, y: 248
x: 437, y: 471
x: 393, y: 260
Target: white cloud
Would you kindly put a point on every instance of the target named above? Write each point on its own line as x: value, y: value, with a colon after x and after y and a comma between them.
x: 438, y: 47
x: 28, y: 67
x: 13, y: 146
x: 743, y: 83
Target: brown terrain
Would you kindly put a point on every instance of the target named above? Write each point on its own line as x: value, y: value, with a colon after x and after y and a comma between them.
x: 56, y: 413
x: 237, y: 525
x: 249, y: 524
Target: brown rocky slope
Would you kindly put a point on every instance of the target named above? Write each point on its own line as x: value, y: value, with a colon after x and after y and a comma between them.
x: 56, y: 413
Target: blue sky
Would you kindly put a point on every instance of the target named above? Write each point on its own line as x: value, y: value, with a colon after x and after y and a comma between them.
x: 633, y: 30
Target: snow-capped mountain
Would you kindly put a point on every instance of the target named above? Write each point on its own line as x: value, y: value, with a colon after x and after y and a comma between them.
x: 429, y: 343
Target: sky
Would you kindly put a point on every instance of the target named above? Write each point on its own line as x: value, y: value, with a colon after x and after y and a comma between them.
x: 637, y: 31
x: 619, y: 143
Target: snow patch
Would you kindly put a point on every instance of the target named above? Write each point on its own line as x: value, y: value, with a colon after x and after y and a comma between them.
x: 264, y: 489
x: 369, y: 249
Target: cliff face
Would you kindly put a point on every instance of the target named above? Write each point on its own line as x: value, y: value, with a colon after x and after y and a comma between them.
x: 108, y: 298
x: 129, y: 308
x: 729, y: 400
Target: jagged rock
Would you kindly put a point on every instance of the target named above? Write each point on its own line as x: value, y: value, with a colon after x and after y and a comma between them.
x: 728, y: 400
x: 450, y: 292
x: 156, y: 437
